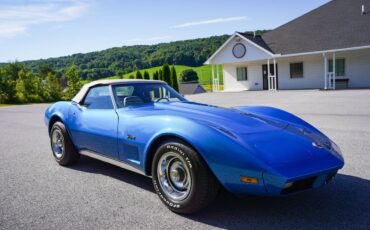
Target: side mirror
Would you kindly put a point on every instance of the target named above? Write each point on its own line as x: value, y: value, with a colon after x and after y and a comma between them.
x: 86, y: 104
x: 79, y: 106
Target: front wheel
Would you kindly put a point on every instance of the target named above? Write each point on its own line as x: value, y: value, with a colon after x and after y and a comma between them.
x: 61, y: 145
x: 181, y: 179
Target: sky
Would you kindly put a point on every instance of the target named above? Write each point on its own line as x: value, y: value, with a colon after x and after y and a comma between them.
x: 34, y: 29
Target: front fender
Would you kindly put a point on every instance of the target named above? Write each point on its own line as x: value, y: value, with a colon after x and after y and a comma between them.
x: 58, y: 109
x: 224, y: 153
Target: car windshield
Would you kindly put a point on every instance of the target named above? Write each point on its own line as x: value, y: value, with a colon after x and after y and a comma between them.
x: 144, y: 93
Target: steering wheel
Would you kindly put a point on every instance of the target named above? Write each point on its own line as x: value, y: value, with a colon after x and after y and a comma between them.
x: 162, y: 98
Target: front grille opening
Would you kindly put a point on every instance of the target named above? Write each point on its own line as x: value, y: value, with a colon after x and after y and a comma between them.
x: 330, y: 177
x: 299, y: 185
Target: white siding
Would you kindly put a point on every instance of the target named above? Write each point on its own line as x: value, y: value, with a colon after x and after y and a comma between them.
x: 254, y: 81
x: 230, y: 82
x: 357, y: 70
x: 226, y: 54
x: 313, y: 73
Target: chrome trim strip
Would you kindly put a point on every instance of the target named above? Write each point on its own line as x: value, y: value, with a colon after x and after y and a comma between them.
x: 109, y: 160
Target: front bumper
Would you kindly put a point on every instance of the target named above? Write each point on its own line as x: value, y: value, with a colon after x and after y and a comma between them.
x: 286, y: 179
x: 276, y: 185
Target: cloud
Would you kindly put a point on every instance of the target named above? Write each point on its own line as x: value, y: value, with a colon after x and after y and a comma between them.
x: 211, y: 21
x: 12, y: 30
x: 17, y: 19
x: 149, y: 39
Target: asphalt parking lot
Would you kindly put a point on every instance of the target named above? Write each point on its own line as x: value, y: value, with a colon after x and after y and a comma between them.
x: 37, y: 193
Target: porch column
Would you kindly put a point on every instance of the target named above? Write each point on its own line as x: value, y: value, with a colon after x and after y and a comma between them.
x: 217, y: 80
x: 334, y: 72
x: 275, y: 85
x: 268, y: 74
x: 325, y: 71
x: 213, y: 79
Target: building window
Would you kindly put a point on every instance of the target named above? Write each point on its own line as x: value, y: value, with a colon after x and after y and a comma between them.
x: 241, y: 74
x: 296, y: 70
x: 339, y: 66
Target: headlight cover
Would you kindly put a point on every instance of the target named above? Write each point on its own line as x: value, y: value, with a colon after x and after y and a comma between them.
x: 336, y: 148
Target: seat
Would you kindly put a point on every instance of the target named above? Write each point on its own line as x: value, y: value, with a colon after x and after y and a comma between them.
x: 132, y: 100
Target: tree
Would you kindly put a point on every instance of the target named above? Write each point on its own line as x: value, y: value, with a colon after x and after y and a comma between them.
x: 138, y: 75
x: 8, y: 80
x: 155, y: 75
x: 53, y: 88
x: 28, y: 87
x: 129, y: 58
x: 131, y: 77
x: 120, y: 73
x: 189, y: 75
x: 166, y: 74
x: 4, y: 86
x: 44, y: 69
x: 74, y: 82
x: 160, y: 74
x: 175, y: 83
x: 21, y: 93
x: 146, y: 75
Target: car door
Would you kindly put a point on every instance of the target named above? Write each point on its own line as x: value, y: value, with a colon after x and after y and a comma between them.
x: 93, y: 123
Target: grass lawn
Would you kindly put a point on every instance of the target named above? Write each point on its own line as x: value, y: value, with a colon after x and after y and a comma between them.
x: 208, y: 87
x: 3, y: 105
x: 204, y: 73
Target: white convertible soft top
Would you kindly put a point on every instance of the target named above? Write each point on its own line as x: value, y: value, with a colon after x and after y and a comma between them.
x: 81, y: 94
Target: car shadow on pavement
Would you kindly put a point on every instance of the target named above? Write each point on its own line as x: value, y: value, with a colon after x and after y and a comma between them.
x: 344, y: 204
x: 90, y: 165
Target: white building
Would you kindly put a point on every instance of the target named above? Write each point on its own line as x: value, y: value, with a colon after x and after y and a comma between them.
x: 301, y: 52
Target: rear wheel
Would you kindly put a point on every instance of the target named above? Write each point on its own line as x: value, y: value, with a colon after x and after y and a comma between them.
x: 181, y: 179
x: 61, y: 145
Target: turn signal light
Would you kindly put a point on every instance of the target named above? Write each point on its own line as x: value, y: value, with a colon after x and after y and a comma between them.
x: 249, y: 180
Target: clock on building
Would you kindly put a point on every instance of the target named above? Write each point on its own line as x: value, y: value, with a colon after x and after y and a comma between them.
x: 239, y: 50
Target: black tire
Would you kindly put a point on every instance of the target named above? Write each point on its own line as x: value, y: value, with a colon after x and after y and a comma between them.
x: 204, y: 186
x: 68, y: 155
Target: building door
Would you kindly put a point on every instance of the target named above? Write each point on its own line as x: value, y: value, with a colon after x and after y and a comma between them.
x: 264, y: 76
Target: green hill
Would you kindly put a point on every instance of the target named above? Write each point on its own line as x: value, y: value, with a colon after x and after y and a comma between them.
x: 122, y: 60
x: 204, y: 73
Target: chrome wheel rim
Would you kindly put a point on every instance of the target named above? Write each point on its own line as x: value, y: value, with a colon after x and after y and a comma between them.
x: 57, y: 143
x: 174, y: 176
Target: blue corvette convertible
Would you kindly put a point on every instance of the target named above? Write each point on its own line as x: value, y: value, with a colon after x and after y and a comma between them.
x: 191, y: 149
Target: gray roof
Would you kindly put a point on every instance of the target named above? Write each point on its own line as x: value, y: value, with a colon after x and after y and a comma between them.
x: 257, y: 40
x: 191, y: 88
x: 81, y: 94
x: 335, y: 25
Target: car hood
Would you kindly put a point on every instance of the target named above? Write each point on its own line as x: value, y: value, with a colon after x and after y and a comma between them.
x: 275, y: 142
x: 230, y: 119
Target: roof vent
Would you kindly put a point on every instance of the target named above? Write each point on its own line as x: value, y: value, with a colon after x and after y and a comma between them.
x: 363, y: 11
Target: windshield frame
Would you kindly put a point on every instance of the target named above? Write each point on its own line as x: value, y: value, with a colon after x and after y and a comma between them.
x: 180, y: 97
